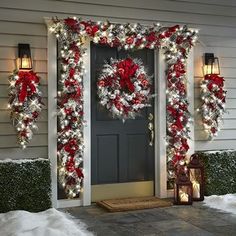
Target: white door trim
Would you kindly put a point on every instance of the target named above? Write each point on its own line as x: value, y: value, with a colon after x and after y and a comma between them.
x: 160, y: 123
x: 52, y: 113
x: 190, y: 95
x: 87, y: 129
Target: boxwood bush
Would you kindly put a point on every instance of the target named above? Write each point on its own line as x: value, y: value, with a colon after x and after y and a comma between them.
x: 25, y: 185
x: 220, y: 172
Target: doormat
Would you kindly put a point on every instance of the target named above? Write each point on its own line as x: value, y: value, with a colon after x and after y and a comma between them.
x: 129, y: 204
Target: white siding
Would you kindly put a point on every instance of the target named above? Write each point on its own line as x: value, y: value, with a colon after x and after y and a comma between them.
x: 227, y: 136
x: 224, y: 47
x: 23, y: 22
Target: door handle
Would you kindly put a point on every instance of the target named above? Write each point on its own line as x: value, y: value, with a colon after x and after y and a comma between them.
x: 151, y: 129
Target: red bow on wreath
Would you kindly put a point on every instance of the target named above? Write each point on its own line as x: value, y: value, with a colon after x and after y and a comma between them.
x: 127, y: 70
x: 26, y: 80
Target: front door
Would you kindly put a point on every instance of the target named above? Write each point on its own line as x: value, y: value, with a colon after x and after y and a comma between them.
x: 122, y: 159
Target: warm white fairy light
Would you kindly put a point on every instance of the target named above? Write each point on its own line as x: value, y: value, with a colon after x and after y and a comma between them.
x: 108, y: 94
x: 124, y: 34
x: 213, y: 107
x: 24, y: 113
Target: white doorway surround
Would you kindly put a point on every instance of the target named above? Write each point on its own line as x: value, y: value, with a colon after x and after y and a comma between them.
x: 160, y: 123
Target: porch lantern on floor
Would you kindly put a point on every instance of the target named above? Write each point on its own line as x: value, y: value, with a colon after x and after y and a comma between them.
x: 183, y: 188
x: 196, y: 174
x: 24, y: 61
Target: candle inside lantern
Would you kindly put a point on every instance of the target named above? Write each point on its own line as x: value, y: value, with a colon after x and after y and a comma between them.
x: 196, y: 189
x: 183, y: 196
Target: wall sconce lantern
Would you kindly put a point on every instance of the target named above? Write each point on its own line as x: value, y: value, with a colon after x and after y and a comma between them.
x: 24, y: 61
x: 212, y: 64
x: 183, y: 189
x: 196, y: 174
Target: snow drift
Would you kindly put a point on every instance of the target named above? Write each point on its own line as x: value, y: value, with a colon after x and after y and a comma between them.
x: 46, y: 223
x: 224, y: 202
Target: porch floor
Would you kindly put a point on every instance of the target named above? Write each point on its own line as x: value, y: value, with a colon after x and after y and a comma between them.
x: 175, y: 220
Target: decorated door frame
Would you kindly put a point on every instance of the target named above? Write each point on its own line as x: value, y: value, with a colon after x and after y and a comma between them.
x: 160, y: 179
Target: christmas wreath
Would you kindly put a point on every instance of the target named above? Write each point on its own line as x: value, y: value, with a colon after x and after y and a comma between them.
x: 26, y: 104
x: 213, y: 103
x: 124, y: 87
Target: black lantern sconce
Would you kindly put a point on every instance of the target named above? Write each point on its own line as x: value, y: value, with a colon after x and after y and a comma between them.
x: 212, y: 64
x: 24, y: 61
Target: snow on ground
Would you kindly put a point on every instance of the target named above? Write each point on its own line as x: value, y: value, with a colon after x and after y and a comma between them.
x: 46, y: 223
x: 219, y: 151
x: 223, y: 202
x: 20, y: 161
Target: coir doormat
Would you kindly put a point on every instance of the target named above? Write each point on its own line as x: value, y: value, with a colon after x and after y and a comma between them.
x: 129, y: 204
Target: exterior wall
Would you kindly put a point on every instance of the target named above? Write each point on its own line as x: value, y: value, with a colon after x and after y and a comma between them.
x: 225, y: 49
x: 23, y: 22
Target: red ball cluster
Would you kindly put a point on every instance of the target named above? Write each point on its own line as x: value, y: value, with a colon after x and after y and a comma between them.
x: 177, y: 110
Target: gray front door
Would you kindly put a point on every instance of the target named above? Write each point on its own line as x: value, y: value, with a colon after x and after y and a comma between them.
x: 120, y: 151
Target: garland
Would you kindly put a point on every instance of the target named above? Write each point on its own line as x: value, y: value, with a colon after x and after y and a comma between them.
x: 124, y: 88
x: 71, y: 32
x: 213, y: 103
x: 178, y: 117
x: 26, y: 104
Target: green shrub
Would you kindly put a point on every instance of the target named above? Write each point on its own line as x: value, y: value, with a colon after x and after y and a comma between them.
x: 220, y: 172
x: 25, y: 185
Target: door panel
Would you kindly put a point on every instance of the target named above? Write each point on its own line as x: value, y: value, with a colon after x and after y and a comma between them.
x: 120, y: 151
x: 136, y: 156
x: 107, y: 173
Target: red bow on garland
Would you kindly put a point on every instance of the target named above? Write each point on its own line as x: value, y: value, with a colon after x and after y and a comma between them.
x: 127, y: 70
x: 70, y: 167
x: 27, y: 80
x: 72, y: 23
x: 71, y: 147
x: 214, y: 79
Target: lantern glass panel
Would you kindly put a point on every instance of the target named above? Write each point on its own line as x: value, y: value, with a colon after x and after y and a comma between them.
x: 184, y: 193
x: 195, y: 178
x: 196, y: 175
x: 26, y: 63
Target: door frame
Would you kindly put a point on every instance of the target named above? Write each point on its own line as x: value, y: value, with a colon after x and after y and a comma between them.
x: 160, y: 178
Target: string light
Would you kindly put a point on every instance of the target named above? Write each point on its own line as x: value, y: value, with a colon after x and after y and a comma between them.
x: 25, y: 104
x: 127, y: 36
x: 213, y: 106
